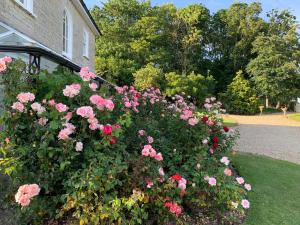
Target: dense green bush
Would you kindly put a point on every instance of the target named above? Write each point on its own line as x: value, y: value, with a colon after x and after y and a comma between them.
x: 239, y: 97
x: 127, y: 158
x: 195, y: 85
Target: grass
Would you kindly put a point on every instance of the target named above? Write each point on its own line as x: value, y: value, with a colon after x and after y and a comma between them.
x: 295, y: 117
x: 275, y: 195
x: 230, y: 122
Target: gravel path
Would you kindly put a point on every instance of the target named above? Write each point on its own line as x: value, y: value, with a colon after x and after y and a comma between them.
x: 271, y: 135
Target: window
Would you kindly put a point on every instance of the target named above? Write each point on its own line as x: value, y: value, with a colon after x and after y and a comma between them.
x: 26, y: 4
x: 67, y: 34
x: 85, y: 44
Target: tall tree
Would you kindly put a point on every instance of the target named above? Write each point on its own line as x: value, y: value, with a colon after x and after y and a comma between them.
x: 115, y: 59
x: 275, y: 71
x: 231, y: 35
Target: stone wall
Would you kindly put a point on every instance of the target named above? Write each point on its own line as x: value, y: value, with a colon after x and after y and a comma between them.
x: 45, y: 25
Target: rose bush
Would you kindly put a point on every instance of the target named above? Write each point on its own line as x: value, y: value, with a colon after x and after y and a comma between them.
x: 124, y: 158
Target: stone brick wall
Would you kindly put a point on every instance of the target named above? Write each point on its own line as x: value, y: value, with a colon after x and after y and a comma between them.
x: 45, y: 25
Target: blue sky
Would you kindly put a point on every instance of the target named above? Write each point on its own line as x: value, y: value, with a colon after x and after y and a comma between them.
x: 214, y: 5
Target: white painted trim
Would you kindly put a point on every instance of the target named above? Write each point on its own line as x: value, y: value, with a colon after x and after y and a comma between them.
x: 70, y: 35
x: 86, y: 50
x: 86, y: 17
x: 27, y: 6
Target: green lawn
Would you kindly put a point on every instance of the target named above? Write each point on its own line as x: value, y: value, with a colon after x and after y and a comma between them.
x: 275, y: 195
x: 230, y: 122
x: 294, y: 117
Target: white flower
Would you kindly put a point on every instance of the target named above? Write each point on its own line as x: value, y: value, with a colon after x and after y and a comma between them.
x: 79, y: 146
x: 225, y: 160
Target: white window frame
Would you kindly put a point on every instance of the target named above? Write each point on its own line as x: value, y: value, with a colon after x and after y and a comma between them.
x: 68, y: 37
x: 86, y: 41
x: 27, y: 5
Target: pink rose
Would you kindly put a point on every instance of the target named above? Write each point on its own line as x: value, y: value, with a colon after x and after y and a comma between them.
x: 7, y: 59
x: 161, y: 172
x: 245, y: 203
x: 52, y: 102
x: 79, y: 146
x: 212, y: 181
x: 61, y: 107
x: 141, y: 132
x: 193, y: 121
x: 225, y: 160
x: 150, y: 139
x: 86, y: 75
x: 43, y: 121
x: 158, y: 157
x: 127, y: 104
x: 2, y: 66
x: 107, y: 129
x: 93, y: 86
x: 227, y: 172
x: 72, y: 90
x: 109, y: 105
x: 85, y: 112
x: 248, y: 187
x: 18, y: 106
x: 25, y: 97
x: 240, y: 180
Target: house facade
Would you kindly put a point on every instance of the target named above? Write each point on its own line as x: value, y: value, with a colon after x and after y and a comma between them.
x: 46, y: 33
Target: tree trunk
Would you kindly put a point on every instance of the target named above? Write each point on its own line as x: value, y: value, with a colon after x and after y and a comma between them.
x: 267, y: 102
x: 278, y: 105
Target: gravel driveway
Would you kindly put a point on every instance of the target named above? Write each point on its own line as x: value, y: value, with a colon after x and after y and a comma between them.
x: 271, y: 135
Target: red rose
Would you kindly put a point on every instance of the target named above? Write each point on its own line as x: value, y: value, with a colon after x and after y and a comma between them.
x: 176, y: 177
x: 226, y: 129
x: 107, y: 129
x: 215, y: 139
x: 113, y: 140
x: 204, y: 119
x: 215, y: 145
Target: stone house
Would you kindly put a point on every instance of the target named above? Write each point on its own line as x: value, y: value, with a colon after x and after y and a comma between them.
x: 47, y: 33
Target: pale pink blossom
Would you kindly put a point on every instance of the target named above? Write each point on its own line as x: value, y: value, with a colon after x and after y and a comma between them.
x: 52, y: 102
x: 37, y: 107
x: 161, y: 172
x: 182, y: 184
x: 25, y: 193
x: 109, y: 105
x: 43, y: 121
x: 7, y: 59
x: 86, y: 75
x: 141, y: 132
x: 127, y: 104
x: 228, y: 172
x: 72, y: 90
x: 61, y: 107
x: 193, y: 121
x: 25, y: 97
x: 69, y: 116
x: 212, y: 181
x: 66, y: 132
x: 248, y: 187
x: 18, y: 106
x: 245, y: 203
x: 79, y: 146
x: 93, y: 86
x: 150, y: 139
x: 240, y: 180
x: 225, y: 160
x: 85, y: 112
x: 205, y: 141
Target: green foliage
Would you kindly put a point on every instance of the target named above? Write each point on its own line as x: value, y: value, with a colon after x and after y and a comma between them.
x: 195, y: 85
x: 239, y: 97
x: 106, y: 182
x: 275, y: 70
x: 149, y: 76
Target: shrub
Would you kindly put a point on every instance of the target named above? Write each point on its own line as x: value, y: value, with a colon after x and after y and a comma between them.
x: 194, y: 85
x: 128, y: 158
x: 148, y: 76
x: 239, y: 97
